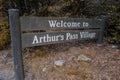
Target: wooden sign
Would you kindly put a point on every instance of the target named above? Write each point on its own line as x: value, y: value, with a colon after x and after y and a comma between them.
x: 65, y: 30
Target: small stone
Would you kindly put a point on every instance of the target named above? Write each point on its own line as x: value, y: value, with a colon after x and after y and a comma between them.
x: 59, y: 62
x: 114, y: 46
x: 118, y: 58
x: 99, y: 45
x: 44, y: 69
x: 11, y: 76
x: 7, y: 76
x: 3, y: 77
x: 84, y: 58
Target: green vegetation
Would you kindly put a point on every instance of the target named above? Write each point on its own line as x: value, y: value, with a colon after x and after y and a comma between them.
x: 67, y: 8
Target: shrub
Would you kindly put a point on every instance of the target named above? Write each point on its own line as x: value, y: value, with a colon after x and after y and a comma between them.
x: 4, y: 34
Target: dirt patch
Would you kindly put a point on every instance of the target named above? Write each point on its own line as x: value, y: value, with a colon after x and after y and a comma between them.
x: 39, y: 63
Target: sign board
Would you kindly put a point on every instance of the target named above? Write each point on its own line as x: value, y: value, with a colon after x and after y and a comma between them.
x: 25, y: 32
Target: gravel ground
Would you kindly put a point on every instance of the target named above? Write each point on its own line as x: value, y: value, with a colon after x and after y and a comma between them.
x: 104, y: 63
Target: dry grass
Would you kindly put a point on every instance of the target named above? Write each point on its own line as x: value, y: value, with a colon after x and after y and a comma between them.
x: 105, y: 63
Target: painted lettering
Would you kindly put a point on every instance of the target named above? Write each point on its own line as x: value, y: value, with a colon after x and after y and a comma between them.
x: 47, y: 38
x: 70, y: 36
x: 55, y: 23
x: 87, y: 35
x: 35, y: 40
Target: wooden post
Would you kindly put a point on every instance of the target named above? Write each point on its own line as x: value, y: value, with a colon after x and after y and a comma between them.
x: 102, y: 29
x: 16, y: 43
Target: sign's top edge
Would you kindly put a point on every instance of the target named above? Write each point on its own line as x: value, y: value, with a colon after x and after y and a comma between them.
x: 38, y: 17
x: 13, y: 10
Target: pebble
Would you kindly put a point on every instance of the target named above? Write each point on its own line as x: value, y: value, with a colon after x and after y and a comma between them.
x: 8, y: 76
x: 114, y: 46
x: 44, y: 69
x: 59, y: 62
x: 99, y: 45
x: 3, y: 77
x: 83, y: 57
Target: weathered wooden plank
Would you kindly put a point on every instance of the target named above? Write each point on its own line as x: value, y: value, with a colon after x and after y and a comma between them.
x: 43, y: 38
x: 43, y: 23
